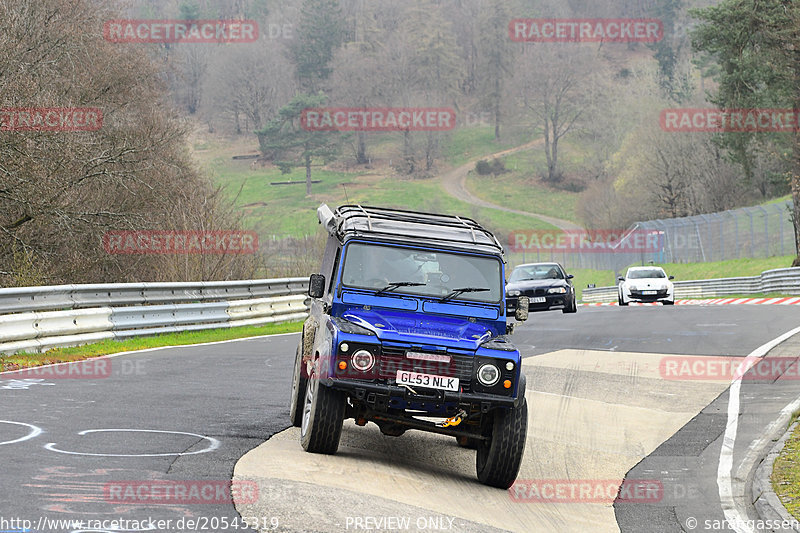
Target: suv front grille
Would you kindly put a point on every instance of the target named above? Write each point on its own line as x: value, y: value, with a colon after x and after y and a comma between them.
x: 460, y: 366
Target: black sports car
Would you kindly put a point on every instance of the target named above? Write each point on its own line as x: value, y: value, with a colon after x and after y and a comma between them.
x: 545, y: 284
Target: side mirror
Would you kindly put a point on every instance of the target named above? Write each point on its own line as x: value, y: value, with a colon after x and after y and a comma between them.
x: 570, y: 276
x: 672, y: 277
x: 621, y: 278
x: 521, y: 314
x: 316, y: 286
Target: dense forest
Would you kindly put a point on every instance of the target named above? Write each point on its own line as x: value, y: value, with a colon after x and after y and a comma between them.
x: 604, y: 97
x: 60, y: 193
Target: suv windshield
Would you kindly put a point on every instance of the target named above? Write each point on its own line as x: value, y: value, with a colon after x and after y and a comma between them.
x: 642, y: 274
x: 399, y: 270
x: 523, y: 273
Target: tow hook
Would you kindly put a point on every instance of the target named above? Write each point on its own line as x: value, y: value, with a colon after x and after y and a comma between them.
x: 455, y: 420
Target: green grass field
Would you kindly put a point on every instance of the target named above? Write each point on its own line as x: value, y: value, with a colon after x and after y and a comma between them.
x: 522, y: 187
x: 466, y: 144
x: 285, y: 210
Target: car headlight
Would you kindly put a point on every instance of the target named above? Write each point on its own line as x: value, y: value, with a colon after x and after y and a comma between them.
x: 513, y: 293
x: 557, y: 290
x: 488, y: 375
x: 363, y: 360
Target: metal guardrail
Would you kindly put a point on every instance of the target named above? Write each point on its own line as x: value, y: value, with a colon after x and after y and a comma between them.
x: 41, y: 318
x: 781, y: 280
x: 17, y: 299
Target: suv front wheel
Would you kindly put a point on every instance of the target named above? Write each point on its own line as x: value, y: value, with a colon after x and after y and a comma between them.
x: 323, y: 415
x: 498, y: 460
x: 299, y: 384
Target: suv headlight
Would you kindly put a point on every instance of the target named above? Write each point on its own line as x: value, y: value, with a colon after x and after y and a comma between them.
x: 488, y: 375
x: 557, y: 290
x: 512, y: 293
x: 363, y: 360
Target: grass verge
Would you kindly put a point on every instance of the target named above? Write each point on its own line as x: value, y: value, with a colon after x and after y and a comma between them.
x: 786, y: 473
x: 79, y: 353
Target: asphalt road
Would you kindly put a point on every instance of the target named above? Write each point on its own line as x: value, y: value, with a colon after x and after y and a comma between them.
x: 232, y: 392
x: 697, y: 330
x: 187, y: 415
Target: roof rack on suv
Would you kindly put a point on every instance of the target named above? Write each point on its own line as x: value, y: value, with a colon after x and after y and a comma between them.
x: 393, y: 224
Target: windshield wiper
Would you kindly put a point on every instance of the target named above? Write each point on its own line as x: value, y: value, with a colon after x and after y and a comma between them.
x: 397, y: 284
x: 457, y: 292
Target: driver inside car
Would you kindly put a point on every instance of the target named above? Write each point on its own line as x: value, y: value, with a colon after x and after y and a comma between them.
x: 398, y: 265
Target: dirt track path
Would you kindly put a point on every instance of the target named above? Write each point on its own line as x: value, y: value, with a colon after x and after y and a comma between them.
x: 454, y: 183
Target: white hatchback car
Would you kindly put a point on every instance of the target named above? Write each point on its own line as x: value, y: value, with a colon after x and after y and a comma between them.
x: 646, y: 284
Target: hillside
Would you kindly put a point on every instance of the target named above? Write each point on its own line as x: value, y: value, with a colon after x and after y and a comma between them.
x: 273, y: 210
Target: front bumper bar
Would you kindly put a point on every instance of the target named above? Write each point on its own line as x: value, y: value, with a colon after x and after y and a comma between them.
x: 382, y: 394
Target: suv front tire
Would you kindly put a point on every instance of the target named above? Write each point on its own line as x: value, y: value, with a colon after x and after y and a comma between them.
x: 322, y: 417
x: 498, y: 460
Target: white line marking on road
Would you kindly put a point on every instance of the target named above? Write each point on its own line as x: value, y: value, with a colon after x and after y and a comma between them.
x: 35, y: 432
x: 214, y: 444
x: 22, y: 384
x: 733, y: 512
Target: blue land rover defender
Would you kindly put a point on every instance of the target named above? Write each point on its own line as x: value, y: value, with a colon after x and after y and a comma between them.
x: 408, y: 330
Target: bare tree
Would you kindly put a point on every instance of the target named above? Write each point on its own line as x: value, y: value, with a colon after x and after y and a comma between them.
x: 248, y: 82
x: 555, y: 82
x: 61, y: 191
